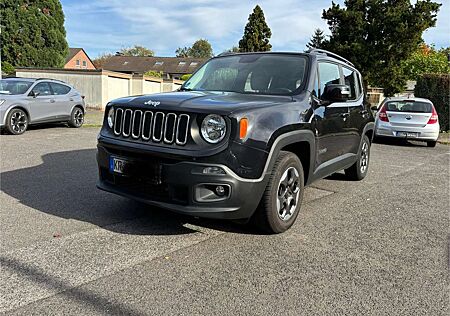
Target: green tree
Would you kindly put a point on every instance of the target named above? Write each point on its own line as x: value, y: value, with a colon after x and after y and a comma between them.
x: 33, y: 33
x: 234, y: 49
x: 426, y: 60
x: 377, y: 35
x: 256, y: 33
x: 316, y: 40
x: 153, y: 73
x: 200, y: 49
x: 137, y: 51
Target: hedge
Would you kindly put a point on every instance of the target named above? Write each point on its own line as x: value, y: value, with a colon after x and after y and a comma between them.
x: 436, y: 88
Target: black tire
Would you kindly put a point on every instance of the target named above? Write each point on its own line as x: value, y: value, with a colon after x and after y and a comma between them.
x: 269, y: 215
x: 16, y: 121
x: 358, y: 170
x: 76, y: 117
x: 431, y: 144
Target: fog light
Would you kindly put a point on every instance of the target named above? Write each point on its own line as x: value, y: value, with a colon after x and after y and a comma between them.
x: 220, y: 190
x: 213, y: 170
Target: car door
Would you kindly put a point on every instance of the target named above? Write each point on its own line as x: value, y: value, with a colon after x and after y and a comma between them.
x: 63, y: 100
x: 354, y: 125
x: 330, y: 118
x: 41, y: 102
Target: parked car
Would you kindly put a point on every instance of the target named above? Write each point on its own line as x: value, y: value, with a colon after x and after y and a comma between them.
x: 25, y: 102
x: 408, y: 118
x: 241, y: 138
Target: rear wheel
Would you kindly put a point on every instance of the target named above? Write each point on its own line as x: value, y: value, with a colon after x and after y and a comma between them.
x: 16, y: 122
x: 431, y: 144
x: 280, y: 204
x: 77, y: 117
x: 358, y: 170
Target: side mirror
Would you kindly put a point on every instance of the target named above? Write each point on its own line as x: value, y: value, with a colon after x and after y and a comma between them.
x: 374, y: 108
x: 34, y: 93
x: 336, y: 93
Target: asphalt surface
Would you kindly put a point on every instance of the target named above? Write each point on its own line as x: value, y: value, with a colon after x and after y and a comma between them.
x: 375, y: 247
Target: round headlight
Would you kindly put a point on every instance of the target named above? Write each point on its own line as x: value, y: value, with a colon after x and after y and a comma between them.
x: 213, y: 128
x: 111, y: 117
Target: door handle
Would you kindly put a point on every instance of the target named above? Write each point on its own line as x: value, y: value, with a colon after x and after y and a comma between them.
x: 52, y: 100
x: 364, y: 112
x: 345, y: 115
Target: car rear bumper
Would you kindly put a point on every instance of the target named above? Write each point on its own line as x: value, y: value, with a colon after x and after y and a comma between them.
x: 184, y: 187
x: 428, y: 133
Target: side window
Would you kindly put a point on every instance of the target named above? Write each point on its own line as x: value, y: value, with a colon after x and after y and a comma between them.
x: 42, y: 88
x: 349, y: 80
x: 328, y: 74
x: 59, y: 89
x: 360, y: 84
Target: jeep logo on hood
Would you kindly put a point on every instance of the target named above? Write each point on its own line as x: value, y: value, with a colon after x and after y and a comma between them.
x: 153, y: 103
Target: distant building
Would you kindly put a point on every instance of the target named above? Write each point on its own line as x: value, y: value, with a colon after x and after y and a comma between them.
x: 171, y: 67
x: 78, y: 59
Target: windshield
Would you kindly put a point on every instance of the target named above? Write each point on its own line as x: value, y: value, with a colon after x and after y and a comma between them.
x: 14, y: 86
x: 253, y: 73
x: 409, y: 106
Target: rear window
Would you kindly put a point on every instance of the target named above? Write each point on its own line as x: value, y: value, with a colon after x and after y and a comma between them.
x: 408, y: 106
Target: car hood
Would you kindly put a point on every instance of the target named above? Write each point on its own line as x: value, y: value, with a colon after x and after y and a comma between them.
x: 199, y: 101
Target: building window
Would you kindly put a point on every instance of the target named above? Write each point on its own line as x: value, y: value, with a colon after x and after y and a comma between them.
x: 159, y: 63
x: 77, y: 63
x: 84, y: 64
x: 181, y: 63
x: 193, y: 64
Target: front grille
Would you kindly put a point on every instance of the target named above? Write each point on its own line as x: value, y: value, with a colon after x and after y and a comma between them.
x: 158, y: 127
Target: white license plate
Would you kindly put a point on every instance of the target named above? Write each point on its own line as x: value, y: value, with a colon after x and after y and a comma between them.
x: 117, y: 165
x: 407, y: 134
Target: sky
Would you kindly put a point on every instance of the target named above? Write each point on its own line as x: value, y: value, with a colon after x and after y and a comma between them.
x: 101, y: 26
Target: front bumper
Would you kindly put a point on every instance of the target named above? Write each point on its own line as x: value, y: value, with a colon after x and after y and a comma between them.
x: 428, y: 133
x: 182, y: 187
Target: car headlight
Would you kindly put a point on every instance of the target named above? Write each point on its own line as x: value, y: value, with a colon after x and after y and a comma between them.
x: 2, y: 101
x: 111, y: 117
x: 213, y: 128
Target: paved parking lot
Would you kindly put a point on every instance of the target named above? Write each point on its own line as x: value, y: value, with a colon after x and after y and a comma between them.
x: 376, y: 247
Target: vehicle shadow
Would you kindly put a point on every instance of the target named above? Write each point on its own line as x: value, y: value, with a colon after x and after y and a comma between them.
x: 64, y: 186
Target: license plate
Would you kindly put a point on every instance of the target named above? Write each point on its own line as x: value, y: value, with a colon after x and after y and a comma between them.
x: 118, y: 165
x: 407, y: 134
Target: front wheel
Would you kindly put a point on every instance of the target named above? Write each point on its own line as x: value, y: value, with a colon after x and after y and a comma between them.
x: 280, y: 204
x: 358, y: 170
x: 77, y: 117
x: 16, y: 122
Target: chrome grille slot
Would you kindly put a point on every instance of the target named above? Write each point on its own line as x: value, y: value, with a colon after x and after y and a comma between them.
x: 169, y: 128
x: 147, y: 125
x: 158, y: 126
x: 136, y: 125
x: 182, y: 129
x: 118, y: 121
x: 126, y: 125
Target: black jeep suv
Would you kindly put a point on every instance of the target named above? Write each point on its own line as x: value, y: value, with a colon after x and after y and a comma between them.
x: 241, y: 138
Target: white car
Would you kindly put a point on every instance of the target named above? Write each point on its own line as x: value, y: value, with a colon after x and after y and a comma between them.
x: 408, y: 118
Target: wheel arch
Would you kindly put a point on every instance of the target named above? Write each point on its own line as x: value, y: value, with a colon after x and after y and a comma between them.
x: 18, y: 106
x: 78, y: 106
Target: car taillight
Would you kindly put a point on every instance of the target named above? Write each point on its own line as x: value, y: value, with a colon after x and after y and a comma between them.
x: 434, y: 116
x: 383, y: 115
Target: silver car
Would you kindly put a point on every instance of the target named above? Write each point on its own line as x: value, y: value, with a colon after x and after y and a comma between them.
x: 408, y: 118
x: 24, y: 102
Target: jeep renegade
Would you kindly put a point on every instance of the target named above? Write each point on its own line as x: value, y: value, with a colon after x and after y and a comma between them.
x: 241, y: 138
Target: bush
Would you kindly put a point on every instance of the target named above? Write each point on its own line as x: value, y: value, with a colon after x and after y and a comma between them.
x: 155, y: 74
x: 185, y: 77
x: 7, y: 68
x: 436, y: 88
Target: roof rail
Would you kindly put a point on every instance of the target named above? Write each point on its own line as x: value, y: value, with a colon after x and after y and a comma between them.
x: 37, y: 79
x: 325, y: 52
x: 226, y: 54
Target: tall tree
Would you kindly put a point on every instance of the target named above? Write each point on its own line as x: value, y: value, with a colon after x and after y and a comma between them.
x: 316, y: 40
x: 137, y: 51
x: 377, y: 35
x: 256, y: 33
x: 33, y: 33
x: 200, y: 49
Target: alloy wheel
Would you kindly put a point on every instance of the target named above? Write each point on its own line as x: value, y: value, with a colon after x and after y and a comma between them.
x: 288, y: 194
x: 364, y: 162
x: 78, y: 117
x: 19, y: 122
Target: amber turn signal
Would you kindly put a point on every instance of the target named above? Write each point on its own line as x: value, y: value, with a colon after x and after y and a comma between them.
x: 243, y: 125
